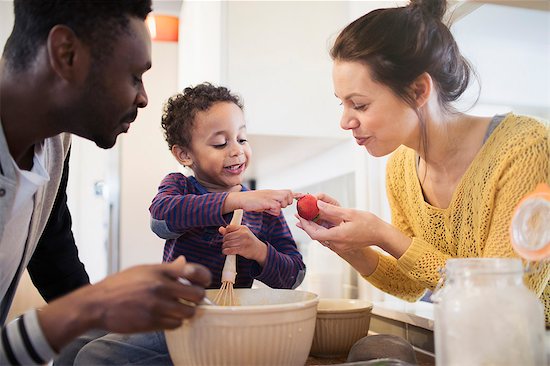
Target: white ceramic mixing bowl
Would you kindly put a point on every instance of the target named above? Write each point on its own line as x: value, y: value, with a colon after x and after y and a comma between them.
x: 270, y: 327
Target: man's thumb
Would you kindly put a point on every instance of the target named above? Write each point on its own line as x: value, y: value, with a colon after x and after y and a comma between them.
x: 179, y: 261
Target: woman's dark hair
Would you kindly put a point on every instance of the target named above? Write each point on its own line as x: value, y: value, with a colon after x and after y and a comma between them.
x: 399, y: 44
x: 178, y: 118
x: 96, y: 22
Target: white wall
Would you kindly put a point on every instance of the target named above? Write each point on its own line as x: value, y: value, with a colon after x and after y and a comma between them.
x: 277, y: 59
x: 202, y: 46
x: 6, y: 23
x: 89, y: 166
x: 145, y: 160
x: 510, y: 49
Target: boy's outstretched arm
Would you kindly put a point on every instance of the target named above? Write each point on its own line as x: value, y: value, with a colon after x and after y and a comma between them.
x: 264, y: 200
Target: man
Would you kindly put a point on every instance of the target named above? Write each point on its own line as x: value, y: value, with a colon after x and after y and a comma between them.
x: 72, y: 67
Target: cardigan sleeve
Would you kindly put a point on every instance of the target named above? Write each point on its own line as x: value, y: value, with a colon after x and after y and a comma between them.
x: 526, y: 168
x: 388, y: 275
x: 421, y: 262
x: 24, y: 343
x: 176, y: 208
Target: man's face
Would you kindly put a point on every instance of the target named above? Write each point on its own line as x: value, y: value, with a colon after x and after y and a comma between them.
x: 114, y: 90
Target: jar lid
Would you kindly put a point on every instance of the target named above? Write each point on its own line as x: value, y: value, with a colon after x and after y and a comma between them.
x: 530, y: 226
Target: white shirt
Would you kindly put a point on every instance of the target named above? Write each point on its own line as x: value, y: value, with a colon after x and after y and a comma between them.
x: 16, y: 230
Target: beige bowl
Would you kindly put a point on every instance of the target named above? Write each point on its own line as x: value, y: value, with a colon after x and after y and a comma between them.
x: 340, y: 323
x: 271, y: 327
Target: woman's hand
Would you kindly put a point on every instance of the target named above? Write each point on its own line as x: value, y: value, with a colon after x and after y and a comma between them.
x: 320, y: 196
x: 238, y: 239
x: 351, y: 230
x: 324, y: 219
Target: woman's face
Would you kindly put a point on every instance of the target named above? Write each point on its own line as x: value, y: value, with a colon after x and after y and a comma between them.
x: 379, y: 120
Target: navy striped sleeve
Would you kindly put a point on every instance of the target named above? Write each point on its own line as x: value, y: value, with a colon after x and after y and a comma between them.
x: 24, y: 343
x: 284, y: 267
x: 179, y: 207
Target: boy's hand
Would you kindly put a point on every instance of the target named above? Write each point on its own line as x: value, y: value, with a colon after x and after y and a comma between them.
x: 265, y: 200
x: 238, y: 239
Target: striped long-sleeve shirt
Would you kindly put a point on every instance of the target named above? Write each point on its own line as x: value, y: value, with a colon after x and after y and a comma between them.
x: 188, y: 216
x: 23, y: 343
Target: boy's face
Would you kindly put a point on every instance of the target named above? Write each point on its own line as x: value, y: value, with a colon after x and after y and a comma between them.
x: 219, y: 152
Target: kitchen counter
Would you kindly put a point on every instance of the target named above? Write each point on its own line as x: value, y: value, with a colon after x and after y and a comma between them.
x: 411, y: 321
x: 423, y: 360
x: 311, y: 360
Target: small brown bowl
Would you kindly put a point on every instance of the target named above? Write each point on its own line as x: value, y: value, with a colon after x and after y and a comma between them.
x: 339, y: 324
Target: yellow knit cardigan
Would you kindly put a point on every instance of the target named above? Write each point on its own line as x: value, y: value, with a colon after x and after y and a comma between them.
x: 513, y: 160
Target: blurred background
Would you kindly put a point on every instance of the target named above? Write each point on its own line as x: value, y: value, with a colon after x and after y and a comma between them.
x: 274, y: 54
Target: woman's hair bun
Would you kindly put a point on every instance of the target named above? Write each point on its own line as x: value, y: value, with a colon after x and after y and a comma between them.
x: 434, y: 8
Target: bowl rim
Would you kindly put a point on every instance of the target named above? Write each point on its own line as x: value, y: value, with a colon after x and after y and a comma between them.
x: 367, y: 306
x: 313, y: 301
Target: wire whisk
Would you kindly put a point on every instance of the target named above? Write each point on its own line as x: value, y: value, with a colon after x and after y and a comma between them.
x: 226, y: 295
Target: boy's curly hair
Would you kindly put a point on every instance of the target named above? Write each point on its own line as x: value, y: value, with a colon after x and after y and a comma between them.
x: 178, y: 117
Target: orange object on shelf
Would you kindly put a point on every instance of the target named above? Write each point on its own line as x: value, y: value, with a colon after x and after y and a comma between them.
x: 163, y: 27
x: 530, y: 226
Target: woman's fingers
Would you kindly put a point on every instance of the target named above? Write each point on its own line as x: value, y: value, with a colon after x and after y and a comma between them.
x: 315, y: 231
x: 328, y: 199
x: 334, y: 214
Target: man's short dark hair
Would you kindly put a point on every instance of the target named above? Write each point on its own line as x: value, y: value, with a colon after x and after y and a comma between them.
x: 96, y: 22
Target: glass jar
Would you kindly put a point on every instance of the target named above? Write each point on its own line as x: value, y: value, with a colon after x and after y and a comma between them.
x: 485, y: 315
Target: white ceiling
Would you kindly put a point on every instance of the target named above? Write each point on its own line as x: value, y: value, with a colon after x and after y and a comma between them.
x: 167, y: 7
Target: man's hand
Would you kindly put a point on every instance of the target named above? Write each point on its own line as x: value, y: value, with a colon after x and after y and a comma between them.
x: 139, y: 299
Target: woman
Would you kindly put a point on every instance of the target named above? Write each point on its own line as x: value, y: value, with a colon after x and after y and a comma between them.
x: 453, y: 179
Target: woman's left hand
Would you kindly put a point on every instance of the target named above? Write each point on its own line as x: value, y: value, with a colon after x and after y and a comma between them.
x: 356, y: 229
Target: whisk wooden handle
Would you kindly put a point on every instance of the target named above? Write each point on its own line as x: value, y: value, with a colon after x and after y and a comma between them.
x: 237, y: 217
x: 229, y: 271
